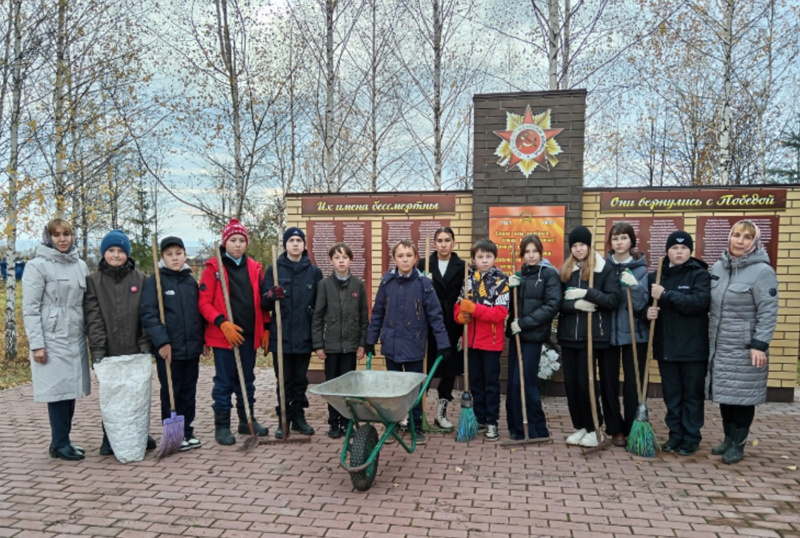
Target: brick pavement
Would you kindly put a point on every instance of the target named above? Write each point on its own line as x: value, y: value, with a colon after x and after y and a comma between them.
x: 444, y: 489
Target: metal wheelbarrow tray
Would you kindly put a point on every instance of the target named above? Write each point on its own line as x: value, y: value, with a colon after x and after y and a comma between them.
x: 365, y: 396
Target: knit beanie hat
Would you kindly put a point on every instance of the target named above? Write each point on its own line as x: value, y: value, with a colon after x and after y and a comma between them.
x: 115, y: 238
x: 581, y: 234
x: 234, y: 227
x: 680, y: 238
x: 291, y: 232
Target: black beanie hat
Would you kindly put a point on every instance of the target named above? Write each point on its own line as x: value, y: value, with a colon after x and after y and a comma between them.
x: 581, y: 234
x: 290, y: 232
x: 680, y: 238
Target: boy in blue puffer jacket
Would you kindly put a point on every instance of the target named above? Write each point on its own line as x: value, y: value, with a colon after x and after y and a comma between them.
x: 179, y: 344
x: 405, y: 306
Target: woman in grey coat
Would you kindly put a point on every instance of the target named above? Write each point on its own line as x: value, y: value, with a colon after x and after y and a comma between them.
x: 744, y: 312
x: 52, y: 307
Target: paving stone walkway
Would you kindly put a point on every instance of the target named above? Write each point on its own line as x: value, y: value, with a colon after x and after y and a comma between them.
x: 480, y: 489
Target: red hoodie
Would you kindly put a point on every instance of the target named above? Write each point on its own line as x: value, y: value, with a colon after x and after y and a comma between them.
x: 485, y: 331
x: 212, y: 303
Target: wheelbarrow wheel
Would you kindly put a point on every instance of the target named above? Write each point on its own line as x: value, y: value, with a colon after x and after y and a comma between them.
x: 364, y: 442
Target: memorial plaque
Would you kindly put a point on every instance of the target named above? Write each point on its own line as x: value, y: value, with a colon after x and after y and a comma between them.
x: 651, y: 235
x: 508, y: 225
x: 712, y: 237
x: 415, y: 230
x: 322, y: 234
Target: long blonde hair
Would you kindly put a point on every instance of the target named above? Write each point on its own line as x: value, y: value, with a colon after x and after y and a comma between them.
x: 588, y: 266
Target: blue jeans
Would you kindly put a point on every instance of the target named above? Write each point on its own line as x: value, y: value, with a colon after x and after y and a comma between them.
x: 416, y: 367
x: 226, y: 377
x: 484, y: 383
x: 537, y: 423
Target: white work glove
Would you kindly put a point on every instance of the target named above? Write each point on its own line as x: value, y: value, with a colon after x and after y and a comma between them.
x: 627, y: 278
x: 514, y: 281
x: 515, y: 329
x: 574, y: 293
x: 585, y: 306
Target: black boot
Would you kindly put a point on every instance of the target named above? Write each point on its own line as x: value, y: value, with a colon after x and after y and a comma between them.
x: 735, y: 452
x: 105, y: 447
x: 244, y: 428
x: 726, y: 444
x: 222, y: 427
x: 299, y: 423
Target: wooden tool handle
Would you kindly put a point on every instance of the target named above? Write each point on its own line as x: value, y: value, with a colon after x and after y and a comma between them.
x: 465, y: 337
x: 279, y: 338
x: 650, y: 340
x: 163, y: 322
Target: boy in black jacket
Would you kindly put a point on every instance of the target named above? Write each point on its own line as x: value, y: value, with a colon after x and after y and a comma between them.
x: 680, y: 341
x: 179, y: 344
x: 339, y: 326
x: 295, y: 294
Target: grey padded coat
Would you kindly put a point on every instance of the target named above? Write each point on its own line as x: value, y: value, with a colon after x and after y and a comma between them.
x: 53, y: 286
x: 744, y: 312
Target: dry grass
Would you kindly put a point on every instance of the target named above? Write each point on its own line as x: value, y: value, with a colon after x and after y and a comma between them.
x: 17, y: 371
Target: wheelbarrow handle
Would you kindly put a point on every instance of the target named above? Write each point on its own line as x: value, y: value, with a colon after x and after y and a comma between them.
x: 427, y: 383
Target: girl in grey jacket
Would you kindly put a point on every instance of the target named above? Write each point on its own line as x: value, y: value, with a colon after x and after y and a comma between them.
x: 53, y: 286
x: 744, y: 312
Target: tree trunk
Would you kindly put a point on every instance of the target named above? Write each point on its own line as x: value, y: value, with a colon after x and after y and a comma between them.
x: 727, y: 71
x: 373, y: 98
x: 565, y: 60
x: 552, y: 16
x: 330, y: 83
x: 59, y: 118
x: 13, y: 174
x: 437, y: 95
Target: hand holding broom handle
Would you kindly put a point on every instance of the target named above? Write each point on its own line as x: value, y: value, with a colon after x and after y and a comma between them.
x: 163, y: 322
x: 279, y: 337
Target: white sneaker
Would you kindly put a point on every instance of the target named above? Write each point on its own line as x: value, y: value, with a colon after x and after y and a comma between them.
x: 575, y: 438
x: 591, y: 440
x: 192, y: 441
x: 491, y: 433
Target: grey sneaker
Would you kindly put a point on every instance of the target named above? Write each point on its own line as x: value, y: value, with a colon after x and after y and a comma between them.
x: 491, y: 433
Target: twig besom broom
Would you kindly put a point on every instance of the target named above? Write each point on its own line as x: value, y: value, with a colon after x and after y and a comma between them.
x: 172, y: 435
x: 642, y: 440
x: 467, y: 423
x: 223, y: 281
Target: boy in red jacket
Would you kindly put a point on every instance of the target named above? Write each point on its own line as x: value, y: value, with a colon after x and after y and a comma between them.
x: 244, y: 276
x: 485, y: 309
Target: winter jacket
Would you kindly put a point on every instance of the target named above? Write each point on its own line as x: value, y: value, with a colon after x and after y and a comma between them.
x: 404, y: 308
x: 341, y: 315
x: 448, y: 287
x: 744, y: 312
x: 111, y: 311
x: 491, y: 295
x: 184, y: 324
x: 640, y: 297
x: 539, y: 296
x: 681, y: 331
x: 53, y: 287
x: 299, y: 282
x: 605, y: 295
x: 211, y: 303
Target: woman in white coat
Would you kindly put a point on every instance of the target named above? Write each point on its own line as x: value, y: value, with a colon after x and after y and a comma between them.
x: 53, y: 285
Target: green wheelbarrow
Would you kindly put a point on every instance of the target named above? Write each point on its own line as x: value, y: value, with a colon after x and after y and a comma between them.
x: 366, y: 396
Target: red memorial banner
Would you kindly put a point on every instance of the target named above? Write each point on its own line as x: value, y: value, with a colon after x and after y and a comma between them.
x: 508, y: 225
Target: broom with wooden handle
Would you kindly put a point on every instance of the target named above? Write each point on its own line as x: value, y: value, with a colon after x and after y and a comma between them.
x: 643, y: 441
x: 172, y: 436
x: 467, y: 423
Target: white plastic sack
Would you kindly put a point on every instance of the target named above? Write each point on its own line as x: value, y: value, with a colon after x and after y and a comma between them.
x: 125, y: 403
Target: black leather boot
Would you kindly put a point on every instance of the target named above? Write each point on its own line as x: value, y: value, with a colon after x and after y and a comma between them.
x: 222, y: 427
x: 726, y: 444
x: 244, y: 428
x: 105, y: 447
x: 735, y: 452
x: 299, y: 423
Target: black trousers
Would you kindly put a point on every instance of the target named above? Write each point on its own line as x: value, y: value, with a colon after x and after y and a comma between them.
x: 740, y: 416
x: 445, y: 387
x: 609, y: 386
x: 576, y: 385
x: 60, y: 414
x: 537, y: 422
x: 683, y: 384
x: 226, y: 376
x: 337, y: 364
x: 295, y: 380
x: 484, y: 382
x: 184, y: 386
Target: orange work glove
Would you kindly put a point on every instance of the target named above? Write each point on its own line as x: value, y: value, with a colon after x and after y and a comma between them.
x: 233, y: 333
x: 463, y: 318
x: 467, y: 306
x: 265, y: 340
